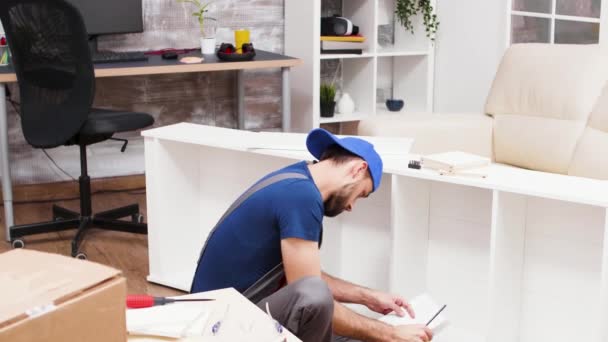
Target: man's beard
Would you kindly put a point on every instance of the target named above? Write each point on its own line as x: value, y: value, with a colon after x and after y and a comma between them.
x: 336, y: 203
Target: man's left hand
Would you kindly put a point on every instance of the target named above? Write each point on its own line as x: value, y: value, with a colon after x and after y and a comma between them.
x: 386, y: 303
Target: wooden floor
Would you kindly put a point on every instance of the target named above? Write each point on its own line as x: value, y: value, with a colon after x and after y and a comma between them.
x: 126, y: 252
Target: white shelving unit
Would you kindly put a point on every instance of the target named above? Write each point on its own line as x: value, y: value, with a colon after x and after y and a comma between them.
x: 406, y: 67
x: 519, y: 256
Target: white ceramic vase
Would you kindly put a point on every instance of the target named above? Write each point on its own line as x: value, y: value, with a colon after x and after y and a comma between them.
x: 207, y: 46
x: 346, y: 105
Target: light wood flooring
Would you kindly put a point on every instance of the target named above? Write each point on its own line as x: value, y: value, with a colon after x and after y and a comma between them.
x: 126, y: 252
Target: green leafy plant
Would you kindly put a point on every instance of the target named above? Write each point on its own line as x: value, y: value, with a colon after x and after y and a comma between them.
x: 328, y: 93
x: 406, y: 9
x: 201, y: 9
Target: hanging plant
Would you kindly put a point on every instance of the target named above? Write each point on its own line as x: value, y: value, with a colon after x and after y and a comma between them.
x: 406, y: 9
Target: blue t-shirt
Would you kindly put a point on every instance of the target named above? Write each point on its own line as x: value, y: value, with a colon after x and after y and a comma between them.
x: 247, y: 244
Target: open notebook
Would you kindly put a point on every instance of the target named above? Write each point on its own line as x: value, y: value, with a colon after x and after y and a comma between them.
x: 425, y: 308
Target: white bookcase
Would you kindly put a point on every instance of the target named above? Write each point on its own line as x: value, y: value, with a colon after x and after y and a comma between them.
x: 405, y: 64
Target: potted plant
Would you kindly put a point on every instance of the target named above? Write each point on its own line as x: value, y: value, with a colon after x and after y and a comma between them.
x: 328, y: 103
x: 207, y: 25
x: 406, y: 9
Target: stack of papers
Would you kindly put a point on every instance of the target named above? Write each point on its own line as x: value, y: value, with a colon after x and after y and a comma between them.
x: 425, y: 308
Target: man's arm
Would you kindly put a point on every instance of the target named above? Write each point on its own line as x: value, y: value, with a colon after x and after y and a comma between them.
x: 377, y: 301
x: 301, y: 259
x: 346, y: 292
x: 349, y: 323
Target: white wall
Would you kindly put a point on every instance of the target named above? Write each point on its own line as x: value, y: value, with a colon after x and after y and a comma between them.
x: 471, y: 40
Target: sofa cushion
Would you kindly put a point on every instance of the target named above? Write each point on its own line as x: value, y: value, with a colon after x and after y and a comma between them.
x: 541, y: 98
x: 591, y: 155
x: 536, y: 143
x: 435, y: 132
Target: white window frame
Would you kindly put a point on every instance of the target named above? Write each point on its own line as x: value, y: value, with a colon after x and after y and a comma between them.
x: 553, y: 16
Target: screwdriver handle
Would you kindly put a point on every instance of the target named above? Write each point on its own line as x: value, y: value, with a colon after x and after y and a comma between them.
x: 144, y: 301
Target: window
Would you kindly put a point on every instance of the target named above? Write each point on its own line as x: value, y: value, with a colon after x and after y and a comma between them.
x: 555, y: 21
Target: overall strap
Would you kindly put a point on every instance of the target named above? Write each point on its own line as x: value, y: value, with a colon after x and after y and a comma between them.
x: 255, y: 188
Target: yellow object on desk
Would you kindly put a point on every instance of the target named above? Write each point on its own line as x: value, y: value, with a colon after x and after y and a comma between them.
x: 240, y: 37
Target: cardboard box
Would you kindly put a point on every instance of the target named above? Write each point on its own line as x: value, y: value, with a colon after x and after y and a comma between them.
x: 49, y: 297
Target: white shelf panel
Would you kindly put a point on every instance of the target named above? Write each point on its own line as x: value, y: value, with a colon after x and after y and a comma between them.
x: 403, y: 67
x: 391, y: 52
x: 408, y: 76
x: 356, y: 116
x: 346, y: 55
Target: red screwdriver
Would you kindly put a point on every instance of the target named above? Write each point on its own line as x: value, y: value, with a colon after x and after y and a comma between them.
x: 145, y: 301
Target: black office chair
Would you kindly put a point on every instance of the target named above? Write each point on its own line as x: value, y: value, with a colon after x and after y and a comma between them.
x: 51, y: 57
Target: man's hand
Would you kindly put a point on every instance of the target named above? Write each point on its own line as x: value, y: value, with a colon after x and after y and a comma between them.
x: 386, y: 303
x: 412, y: 333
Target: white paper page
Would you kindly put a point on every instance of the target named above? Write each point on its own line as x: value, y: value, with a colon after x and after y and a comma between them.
x: 425, y: 308
x: 172, y: 320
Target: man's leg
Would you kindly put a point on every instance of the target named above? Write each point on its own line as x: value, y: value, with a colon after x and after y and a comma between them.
x: 305, y: 307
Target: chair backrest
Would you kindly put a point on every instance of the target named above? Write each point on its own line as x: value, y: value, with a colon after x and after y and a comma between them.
x: 51, y: 57
x: 541, y: 100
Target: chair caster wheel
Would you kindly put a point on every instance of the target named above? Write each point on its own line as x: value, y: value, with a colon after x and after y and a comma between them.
x: 81, y: 256
x: 18, y: 243
x: 137, y: 218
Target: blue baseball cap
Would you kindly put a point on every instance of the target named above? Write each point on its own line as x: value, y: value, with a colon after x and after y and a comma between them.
x: 319, y: 140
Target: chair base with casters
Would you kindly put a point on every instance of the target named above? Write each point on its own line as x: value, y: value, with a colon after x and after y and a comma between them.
x: 57, y: 92
x: 66, y: 219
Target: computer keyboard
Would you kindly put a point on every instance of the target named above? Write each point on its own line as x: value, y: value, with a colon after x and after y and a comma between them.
x: 118, y: 57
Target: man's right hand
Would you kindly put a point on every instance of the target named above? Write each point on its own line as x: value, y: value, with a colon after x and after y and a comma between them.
x: 411, y: 333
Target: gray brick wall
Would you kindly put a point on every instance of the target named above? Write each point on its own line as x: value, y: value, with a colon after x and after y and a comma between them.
x: 205, y: 98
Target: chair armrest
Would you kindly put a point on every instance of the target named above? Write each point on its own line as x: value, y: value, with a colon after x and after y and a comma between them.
x: 435, y: 132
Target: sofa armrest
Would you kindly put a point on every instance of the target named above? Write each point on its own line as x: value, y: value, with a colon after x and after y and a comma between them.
x: 435, y: 132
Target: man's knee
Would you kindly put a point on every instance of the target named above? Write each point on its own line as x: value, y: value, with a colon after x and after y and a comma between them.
x: 314, y: 294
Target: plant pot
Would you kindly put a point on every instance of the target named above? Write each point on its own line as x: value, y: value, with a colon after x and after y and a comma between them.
x: 207, y: 45
x: 394, y: 105
x: 327, y: 109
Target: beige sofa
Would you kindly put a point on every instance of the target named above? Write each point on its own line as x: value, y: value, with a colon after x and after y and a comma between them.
x: 547, y: 110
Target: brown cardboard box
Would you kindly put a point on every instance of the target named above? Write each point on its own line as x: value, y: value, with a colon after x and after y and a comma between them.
x: 49, y: 297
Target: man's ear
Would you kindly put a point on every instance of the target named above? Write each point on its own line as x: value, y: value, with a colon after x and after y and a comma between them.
x: 360, y: 169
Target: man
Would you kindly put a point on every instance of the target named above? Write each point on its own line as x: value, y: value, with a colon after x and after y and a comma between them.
x: 275, y: 229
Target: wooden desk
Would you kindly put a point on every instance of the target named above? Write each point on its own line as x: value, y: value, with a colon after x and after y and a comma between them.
x: 518, y: 256
x: 242, y: 313
x: 154, y: 66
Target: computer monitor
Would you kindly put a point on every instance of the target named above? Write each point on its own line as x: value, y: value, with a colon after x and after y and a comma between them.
x: 110, y: 16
